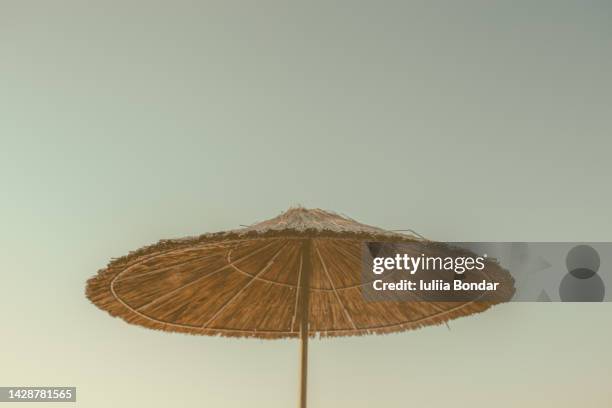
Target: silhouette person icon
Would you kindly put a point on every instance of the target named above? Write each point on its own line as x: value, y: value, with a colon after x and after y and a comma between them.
x: 582, y: 283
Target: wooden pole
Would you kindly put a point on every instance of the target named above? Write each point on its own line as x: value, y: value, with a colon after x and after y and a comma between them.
x: 304, y: 304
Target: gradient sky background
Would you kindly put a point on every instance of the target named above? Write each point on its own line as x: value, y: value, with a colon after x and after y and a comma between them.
x: 125, y: 122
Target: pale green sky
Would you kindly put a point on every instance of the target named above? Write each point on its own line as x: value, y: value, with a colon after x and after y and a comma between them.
x: 125, y: 122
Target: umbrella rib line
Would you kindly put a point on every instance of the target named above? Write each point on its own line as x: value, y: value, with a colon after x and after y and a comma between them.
x: 333, y: 288
x: 164, y: 269
x: 164, y: 297
x: 270, y: 281
x: 297, y: 292
x: 347, y: 253
x: 350, y: 286
x: 253, y: 279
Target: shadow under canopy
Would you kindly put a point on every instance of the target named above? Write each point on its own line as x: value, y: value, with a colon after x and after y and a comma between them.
x: 297, y: 275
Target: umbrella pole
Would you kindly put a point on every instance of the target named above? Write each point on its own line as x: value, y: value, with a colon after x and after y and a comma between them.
x: 304, y: 304
x: 304, y: 367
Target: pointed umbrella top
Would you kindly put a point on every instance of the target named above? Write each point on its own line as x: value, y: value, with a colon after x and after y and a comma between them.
x: 302, y: 220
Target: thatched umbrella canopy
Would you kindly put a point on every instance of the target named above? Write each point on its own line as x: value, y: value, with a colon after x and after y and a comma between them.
x: 294, y: 276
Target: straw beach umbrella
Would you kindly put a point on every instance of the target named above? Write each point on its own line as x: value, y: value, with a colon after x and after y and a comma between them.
x: 297, y: 275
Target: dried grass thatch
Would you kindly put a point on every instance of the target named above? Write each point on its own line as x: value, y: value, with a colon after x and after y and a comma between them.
x: 246, y: 283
